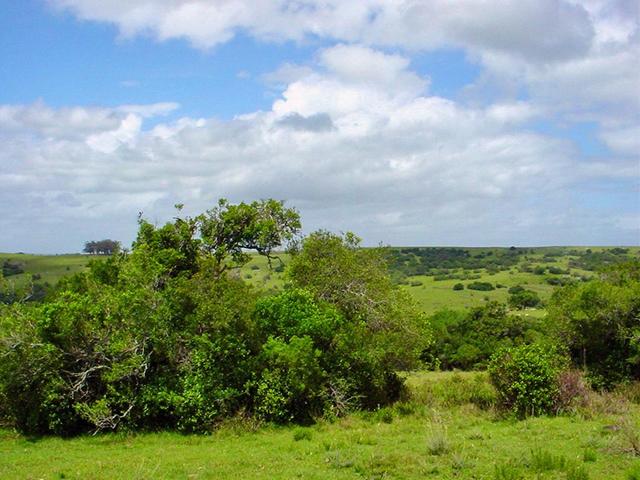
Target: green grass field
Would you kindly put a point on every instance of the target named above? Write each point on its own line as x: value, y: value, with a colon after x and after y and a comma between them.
x: 51, y: 268
x: 432, y: 436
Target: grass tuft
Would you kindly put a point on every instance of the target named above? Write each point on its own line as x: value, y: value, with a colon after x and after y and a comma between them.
x: 301, y: 434
x: 438, y: 444
x: 507, y: 471
x: 545, y: 461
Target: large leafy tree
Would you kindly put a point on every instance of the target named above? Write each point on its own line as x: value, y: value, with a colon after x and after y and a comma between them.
x: 336, y: 269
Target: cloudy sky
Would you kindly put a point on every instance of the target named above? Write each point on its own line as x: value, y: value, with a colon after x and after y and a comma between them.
x: 410, y: 122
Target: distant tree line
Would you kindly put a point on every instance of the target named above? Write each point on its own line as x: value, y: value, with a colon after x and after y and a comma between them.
x: 437, y: 261
x: 102, y: 247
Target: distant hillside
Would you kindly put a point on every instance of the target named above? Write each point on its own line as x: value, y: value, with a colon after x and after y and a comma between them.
x: 429, y: 273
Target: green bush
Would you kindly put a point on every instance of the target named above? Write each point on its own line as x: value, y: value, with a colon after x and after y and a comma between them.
x: 163, y: 337
x: 466, y: 340
x: 524, y: 299
x: 481, y: 286
x: 526, y: 378
x: 458, y: 286
x: 598, y: 322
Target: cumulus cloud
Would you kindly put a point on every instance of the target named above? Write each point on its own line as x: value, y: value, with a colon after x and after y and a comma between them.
x: 575, y: 56
x: 540, y: 29
x: 355, y: 141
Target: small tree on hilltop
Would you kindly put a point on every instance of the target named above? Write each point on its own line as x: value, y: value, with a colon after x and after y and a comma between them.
x: 102, y: 247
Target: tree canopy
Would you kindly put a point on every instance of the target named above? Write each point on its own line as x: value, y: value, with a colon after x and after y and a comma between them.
x: 102, y: 247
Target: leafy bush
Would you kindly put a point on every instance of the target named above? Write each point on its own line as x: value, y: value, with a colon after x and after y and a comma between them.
x: 598, y: 321
x: 11, y: 267
x: 458, y: 286
x: 524, y: 299
x: 466, y: 340
x: 164, y: 337
x: 482, y: 286
x: 526, y: 378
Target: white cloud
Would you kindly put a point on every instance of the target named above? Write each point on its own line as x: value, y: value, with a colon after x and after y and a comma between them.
x: 540, y: 29
x: 578, y: 56
x: 350, y: 143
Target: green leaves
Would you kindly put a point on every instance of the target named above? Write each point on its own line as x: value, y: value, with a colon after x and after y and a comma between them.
x: 599, y: 321
x: 526, y: 378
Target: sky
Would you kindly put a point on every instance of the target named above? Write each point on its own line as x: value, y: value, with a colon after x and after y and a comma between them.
x: 408, y: 122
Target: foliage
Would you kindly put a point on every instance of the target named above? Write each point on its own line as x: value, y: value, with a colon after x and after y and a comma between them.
x: 482, y: 286
x: 12, y: 267
x: 166, y: 337
x: 526, y: 378
x: 594, y: 261
x: 102, y: 247
x: 229, y: 230
x: 335, y: 269
x: 599, y: 321
x: 524, y: 299
x: 426, y: 260
x: 466, y: 340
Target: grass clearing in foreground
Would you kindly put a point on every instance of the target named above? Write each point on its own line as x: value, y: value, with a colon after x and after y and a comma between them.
x: 427, y: 436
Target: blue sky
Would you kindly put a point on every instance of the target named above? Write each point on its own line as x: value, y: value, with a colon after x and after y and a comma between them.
x: 422, y: 123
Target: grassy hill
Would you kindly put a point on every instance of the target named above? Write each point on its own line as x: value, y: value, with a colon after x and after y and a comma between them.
x: 532, y: 268
x: 44, y: 268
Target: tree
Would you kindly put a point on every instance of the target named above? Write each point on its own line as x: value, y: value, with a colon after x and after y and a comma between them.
x: 220, y: 237
x: 524, y: 299
x: 466, y: 340
x: 228, y: 230
x: 102, y: 247
x: 337, y: 270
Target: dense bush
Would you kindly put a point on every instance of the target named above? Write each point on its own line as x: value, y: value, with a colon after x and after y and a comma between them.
x: 11, y: 267
x: 599, y: 321
x: 481, y: 286
x: 526, y: 378
x: 524, y: 299
x: 356, y: 280
x: 466, y: 340
x: 166, y: 337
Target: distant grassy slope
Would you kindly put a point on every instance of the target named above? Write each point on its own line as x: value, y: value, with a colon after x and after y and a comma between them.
x: 430, y: 294
x: 434, y: 436
x: 51, y: 268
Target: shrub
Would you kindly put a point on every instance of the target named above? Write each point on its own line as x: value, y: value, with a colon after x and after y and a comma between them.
x: 482, y: 286
x: 573, y: 391
x: 165, y: 337
x: 458, y: 286
x: 10, y: 267
x: 526, y: 378
x: 467, y: 340
x: 598, y: 321
x: 524, y: 299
